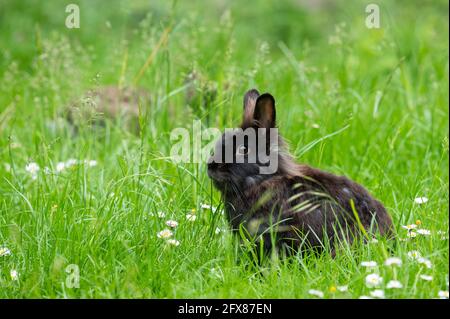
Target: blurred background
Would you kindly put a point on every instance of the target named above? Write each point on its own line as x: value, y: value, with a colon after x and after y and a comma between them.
x: 318, y: 58
x: 370, y: 103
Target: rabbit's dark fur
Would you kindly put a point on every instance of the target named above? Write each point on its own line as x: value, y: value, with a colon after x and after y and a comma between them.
x: 297, y: 206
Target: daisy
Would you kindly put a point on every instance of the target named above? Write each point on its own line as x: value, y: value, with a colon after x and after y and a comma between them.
x: 411, y: 234
x: 208, y: 207
x: 443, y: 294
x: 92, y: 163
x: 191, y: 217
x: 424, y: 232
x: 4, y: 251
x: 426, y: 277
x: 409, y: 227
x: 414, y: 254
x: 218, y: 231
x: 373, y: 280
x: 394, y: 284
x: 71, y: 162
x: 424, y: 261
x: 14, y: 274
x: 33, y: 169
x: 369, y: 264
x: 393, y: 261
x: 172, y: 223
x: 173, y: 242
x: 420, y: 200
x: 342, y: 288
x: 60, y: 167
x: 166, y: 233
x: 377, y: 293
x: 316, y: 293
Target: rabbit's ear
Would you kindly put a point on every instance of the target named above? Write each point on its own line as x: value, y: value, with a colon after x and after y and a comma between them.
x: 249, y: 104
x: 264, y: 113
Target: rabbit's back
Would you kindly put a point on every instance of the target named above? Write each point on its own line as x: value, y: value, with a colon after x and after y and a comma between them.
x: 311, y: 207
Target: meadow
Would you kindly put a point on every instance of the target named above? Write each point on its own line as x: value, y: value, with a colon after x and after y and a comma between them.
x: 85, y: 212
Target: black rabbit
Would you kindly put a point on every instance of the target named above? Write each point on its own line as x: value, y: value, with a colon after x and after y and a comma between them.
x: 292, y: 205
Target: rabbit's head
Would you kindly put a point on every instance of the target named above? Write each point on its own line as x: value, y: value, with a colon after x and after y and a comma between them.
x: 246, y: 156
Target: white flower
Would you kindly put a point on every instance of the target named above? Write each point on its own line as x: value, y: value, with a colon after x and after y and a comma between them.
x: 394, y: 284
x: 205, y: 206
x: 191, y: 217
x: 172, y: 223
x: 393, y: 261
x: 218, y: 231
x: 209, y: 207
x: 374, y: 241
x: 315, y: 125
x: 373, y: 280
x: 33, y: 169
x: 410, y: 227
x: 365, y: 297
x: 4, y: 251
x: 166, y: 233
x: 316, y: 293
x: 92, y: 163
x: 47, y: 170
x: 426, y: 277
x: 414, y: 254
x: 443, y: 294
x: 173, y: 242
x: 420, y: 200
x: 60, y: 167
x: 7, y: 167
x: 411, y: 234
x: 369, y: 264
x: 14, y: 274
x: 424, y: 261
x: 377, y: 293
x: 71, y: 162
x: 424, y: 232
x: 342, y: 288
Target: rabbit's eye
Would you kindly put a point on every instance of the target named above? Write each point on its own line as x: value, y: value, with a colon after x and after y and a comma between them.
x: 242, y: 150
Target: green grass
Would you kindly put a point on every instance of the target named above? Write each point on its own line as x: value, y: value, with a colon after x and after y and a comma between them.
x: 326, y: 70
